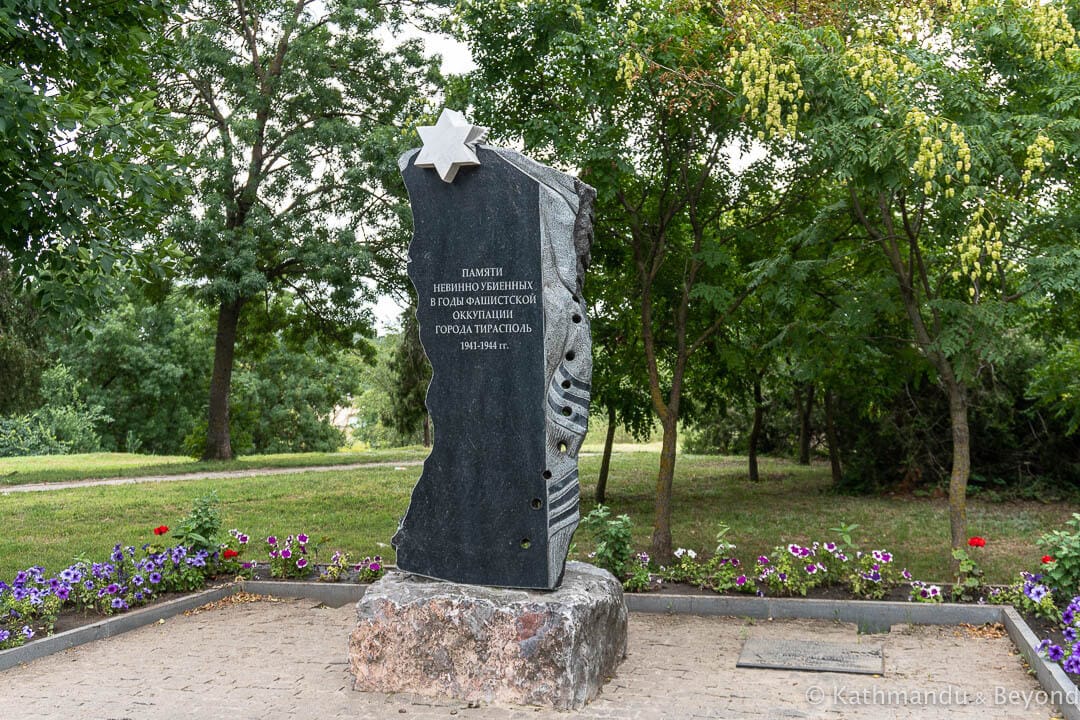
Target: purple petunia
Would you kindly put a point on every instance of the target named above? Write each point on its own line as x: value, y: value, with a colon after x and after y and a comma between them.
x: 286, y: 553
x: 154, y: 578
x: 302, y: 538
x: 28, y: 632
x: 762, y: 560
x: 1054, y: 653
x: 1036, y: 592
x: 741, y: 580
x: 1071, y: 665
x: 272, y: 540
x: 301, y: 563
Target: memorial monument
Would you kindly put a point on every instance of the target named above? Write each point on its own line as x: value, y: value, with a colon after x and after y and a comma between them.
x: 498, y: 258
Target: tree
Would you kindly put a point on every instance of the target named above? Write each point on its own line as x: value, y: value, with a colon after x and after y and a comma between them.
x: 22, y: 346
x: 291, y: 109
x: 952, y: 128
x: 85, y: 165
x: 412, y: 375
x: 145, y: 363
x: 561, y: 77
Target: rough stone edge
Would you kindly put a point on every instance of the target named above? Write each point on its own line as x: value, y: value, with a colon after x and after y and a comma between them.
x: 110, y: 627
x: 1062, y: 691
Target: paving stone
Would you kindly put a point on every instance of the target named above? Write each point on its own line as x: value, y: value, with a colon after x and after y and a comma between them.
x: 301, y: 675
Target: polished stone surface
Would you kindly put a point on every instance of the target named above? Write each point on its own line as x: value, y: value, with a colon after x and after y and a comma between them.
x: 498, y: 259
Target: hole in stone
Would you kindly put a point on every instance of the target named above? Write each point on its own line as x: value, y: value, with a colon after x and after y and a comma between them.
x: 575, y: 298
x: 576, y: 318
x: 570, y: 355
x: 566, y: 384
x: 567, y: 411
x: 537, y: 503
x: 547, y: 474
x: 562, y: 447
x: 525, y: 543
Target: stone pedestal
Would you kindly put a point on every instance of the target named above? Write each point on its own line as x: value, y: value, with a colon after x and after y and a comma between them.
x: 475, y: 643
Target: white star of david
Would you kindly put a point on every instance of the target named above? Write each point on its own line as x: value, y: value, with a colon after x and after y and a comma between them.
x: 449, y: 144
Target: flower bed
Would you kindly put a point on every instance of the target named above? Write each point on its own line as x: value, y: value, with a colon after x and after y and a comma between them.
x: 35, y: 602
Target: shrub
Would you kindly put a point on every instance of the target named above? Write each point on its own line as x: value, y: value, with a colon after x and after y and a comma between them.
x: 1063, y: 572
x: 613, y: 540
x: 200, y: 529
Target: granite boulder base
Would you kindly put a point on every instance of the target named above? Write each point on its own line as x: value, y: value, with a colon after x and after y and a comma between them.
x: 498, y: 259
x: 480, y: 644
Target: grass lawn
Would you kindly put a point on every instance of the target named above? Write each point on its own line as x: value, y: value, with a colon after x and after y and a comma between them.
x: 358, y: 510
x: 59, y: 468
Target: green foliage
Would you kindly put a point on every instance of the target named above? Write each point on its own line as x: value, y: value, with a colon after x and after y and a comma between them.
x: 292, y: 557
x: 147, y: 364
x: 375, y: 398
x: 292, y: 115
x: 86, y: 168
x: 844, y: 531
x: 21, y: 620
x: 614, y: 548
x: 969, y: 577
x: 22, y: 351
x: 285, y: 398
x: 201, y: 529
x: 65, y: 424
x: 411, y: 371
x: 1055, y: 384
x: 1017, y: 595
x: 1063, y: 574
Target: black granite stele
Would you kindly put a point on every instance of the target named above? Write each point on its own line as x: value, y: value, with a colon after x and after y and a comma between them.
x: 497, y: 259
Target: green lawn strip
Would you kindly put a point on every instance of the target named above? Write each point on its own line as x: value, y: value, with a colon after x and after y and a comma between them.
x: 61, y: 468
x: 359, y: 510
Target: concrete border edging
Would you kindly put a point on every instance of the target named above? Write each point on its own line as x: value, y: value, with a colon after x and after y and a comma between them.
x: 333, y: 594
x: 110, y: 626
x: 1061, y: 690
x: 869, y: 615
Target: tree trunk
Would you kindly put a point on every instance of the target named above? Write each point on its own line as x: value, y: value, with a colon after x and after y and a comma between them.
x: 661, y: 539
x: 961, y: 464
x: 755, y: 431
x: 832, y: 441
x: 806, y: 410
x: 427, y: 430
x: 605, y: 463
x: 218, y: 441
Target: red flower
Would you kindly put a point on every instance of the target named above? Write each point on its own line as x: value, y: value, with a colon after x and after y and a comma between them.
x: 976, y: 542
x: 1047, y: 559
x: 161, y: 529
x: 229, y: 554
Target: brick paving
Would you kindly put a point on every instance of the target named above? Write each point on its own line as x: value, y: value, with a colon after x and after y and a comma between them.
x: 286, y: 660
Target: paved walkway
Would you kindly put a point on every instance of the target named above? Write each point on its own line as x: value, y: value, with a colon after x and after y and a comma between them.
x: 285, y: 660
x: 210, y: 475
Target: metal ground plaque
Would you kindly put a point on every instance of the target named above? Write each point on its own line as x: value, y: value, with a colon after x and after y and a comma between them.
x: 811, y: 655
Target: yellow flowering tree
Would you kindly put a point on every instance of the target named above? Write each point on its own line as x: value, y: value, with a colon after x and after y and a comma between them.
x: 952, y: 127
